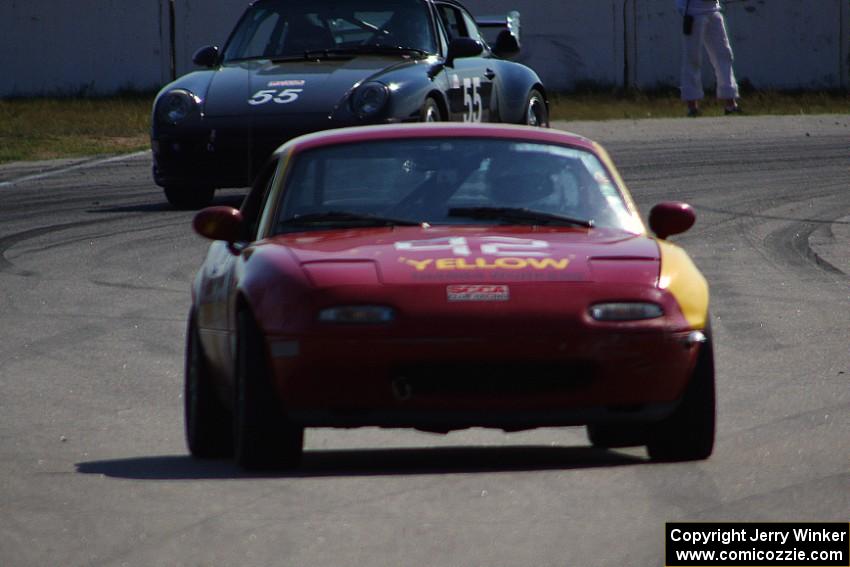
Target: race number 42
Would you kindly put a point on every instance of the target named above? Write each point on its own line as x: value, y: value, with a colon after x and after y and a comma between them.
x: 489, y: 246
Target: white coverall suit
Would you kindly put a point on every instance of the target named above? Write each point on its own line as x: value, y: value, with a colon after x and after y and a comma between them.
x: 709, y: 30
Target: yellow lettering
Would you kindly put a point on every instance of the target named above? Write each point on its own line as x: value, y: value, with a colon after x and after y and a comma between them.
x: 511, y: 263
x: 482, y: 264
x: 420, y: 265
x: 462, y: 265
x: 543, y: 263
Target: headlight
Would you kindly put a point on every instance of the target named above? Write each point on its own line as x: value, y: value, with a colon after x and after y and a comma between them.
x: 370, y: 99
x: 625, y: 311
x: 363, y: 314
x: 177, y: 105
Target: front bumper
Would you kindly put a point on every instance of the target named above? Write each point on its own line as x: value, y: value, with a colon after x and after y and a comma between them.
x: 456, y: 382
x: 206, y: 159
x: 226, y: 152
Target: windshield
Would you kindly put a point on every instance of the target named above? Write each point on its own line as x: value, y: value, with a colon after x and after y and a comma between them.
x: 286, y: 28
x: 450, y: 181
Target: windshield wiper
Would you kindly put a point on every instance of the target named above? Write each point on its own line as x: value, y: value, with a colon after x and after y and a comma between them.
x: 518, y: 215
x: 274, y: 58
x: 346, y: 218
x: 374, y: 48
x: 329, y: 53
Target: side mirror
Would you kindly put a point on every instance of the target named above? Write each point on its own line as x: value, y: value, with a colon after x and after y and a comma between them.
x: 507, y: 45
x: 206, y: 56
x: 667, y: 219
x: 463, y: 47
x: 219, y: 223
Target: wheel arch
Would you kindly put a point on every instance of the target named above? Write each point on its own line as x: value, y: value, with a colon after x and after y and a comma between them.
x: 242, y: 304
x: 440, y: 99
x: 515, y: 83
x: 538, y: 86
x: 680, y: 276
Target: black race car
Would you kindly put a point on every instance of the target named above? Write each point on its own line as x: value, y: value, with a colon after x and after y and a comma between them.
x: 297, y: 66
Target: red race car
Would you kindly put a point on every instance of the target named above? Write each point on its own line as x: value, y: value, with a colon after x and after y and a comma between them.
x: 440, y: 277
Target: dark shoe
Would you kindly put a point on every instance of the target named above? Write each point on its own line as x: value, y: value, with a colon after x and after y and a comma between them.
x: 694, y: 112
x: 735, y: 110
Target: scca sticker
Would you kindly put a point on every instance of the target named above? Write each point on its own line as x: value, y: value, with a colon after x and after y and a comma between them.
x: 287, y: 83
x: 477, y: 292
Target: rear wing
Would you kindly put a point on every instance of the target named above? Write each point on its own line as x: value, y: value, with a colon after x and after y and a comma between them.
x: 510, y: 21
x: 502, y: 33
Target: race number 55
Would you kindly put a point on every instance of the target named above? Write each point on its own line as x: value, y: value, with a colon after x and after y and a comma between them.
x: 472, y: 99
x: 284, y: 96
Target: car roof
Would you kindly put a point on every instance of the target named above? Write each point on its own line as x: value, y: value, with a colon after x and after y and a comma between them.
x: 455, y: 2
x: 441, y: 130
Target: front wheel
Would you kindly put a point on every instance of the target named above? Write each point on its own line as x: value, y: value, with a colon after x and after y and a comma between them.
x: 430, y: 111
x: 263, y: 437
x: 186, y: 197
x: 688, y: 433
x: 208, y: 422
x: 536, y: 112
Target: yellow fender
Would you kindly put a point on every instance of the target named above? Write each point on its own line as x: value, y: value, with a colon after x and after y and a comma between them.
x: 681, y: 278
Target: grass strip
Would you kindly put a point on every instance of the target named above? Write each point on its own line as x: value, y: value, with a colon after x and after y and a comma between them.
x: 635, y: 105
x: 48, y: 128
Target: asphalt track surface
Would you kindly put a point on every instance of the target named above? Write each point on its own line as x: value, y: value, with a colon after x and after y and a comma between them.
x: 94, y: 280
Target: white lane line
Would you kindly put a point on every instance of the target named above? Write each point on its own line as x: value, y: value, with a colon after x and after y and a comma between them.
x: 84, y: 165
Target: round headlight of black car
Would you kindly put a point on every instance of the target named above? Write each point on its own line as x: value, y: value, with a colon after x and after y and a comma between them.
x: 177, y: 105
x: 370, y: 99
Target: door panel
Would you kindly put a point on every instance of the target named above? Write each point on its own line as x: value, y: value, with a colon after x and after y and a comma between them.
x: 470, y: 78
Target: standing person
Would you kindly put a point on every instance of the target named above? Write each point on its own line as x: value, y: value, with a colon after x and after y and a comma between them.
x: 704, y: 26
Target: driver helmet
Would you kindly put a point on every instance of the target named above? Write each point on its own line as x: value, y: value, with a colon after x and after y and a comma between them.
x: 407, y: 28
x: 523, y: 179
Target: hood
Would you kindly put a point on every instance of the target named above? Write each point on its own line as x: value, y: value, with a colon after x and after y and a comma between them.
x: 414, y: 255
x: 314, y: 86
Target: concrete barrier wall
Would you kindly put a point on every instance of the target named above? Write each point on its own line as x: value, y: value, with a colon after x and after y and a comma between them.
x: 102, y: 46
x: 778, y: 44
x: 203, y: 22
x: 80, y: 46
x: 568, y: 42
x: 797, y: 44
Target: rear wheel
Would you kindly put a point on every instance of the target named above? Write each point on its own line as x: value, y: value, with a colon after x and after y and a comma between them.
x: 208, y: 423
x: 536, y: 113
x: 430, y: 111
x: 688, y: 433
x: 263, y: 437
x: 189, y: 197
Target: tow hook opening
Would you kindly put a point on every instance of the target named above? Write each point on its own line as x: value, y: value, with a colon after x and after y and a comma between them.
x: 402, y: 389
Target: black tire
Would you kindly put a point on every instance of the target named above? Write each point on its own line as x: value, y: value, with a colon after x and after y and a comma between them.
x: 430, y: 111
x: 688, y: 434
x: 208, y: 422
x: 187, y: 198
x: 263, y: 437
x: 612, y: 436
x: 536, y: 113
